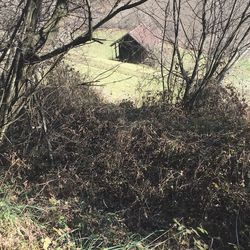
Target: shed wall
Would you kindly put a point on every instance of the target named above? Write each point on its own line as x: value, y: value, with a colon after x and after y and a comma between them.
x: 131, y: 51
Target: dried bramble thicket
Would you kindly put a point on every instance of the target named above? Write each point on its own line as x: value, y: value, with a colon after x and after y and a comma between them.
x: 147, y: 165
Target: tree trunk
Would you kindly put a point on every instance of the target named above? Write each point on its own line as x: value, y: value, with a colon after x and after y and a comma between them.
x: 3, y: 130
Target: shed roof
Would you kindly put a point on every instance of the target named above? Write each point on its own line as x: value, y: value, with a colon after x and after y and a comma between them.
x: 143, y: 36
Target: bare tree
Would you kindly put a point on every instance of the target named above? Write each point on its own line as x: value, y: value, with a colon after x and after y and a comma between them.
x: 206, y: 38
x: 35, y: 31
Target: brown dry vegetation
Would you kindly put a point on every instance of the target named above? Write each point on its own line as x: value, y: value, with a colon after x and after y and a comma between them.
x: 119, y: 170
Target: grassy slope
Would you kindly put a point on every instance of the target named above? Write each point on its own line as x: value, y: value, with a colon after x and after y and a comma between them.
x: 240, y: 77
x: 115, y: 80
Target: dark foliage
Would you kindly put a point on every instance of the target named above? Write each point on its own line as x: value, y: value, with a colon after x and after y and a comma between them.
x: 146, y: 165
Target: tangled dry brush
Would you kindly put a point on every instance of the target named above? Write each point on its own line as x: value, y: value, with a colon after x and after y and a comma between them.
x: 147, y: 165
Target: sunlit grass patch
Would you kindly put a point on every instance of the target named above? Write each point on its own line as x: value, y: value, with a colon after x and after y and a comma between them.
x: 118, y: 80
x: 240, y: 77
x: 114, y: 79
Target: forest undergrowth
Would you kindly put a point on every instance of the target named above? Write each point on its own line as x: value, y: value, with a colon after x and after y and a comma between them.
x: 79, y: 173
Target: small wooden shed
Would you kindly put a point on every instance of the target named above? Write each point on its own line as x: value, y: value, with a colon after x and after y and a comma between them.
x: 136, y: 45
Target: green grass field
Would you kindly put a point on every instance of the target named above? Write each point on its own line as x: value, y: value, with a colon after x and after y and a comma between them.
x: 116, y: 80
x: 240, y: 77
x: 113, y: 79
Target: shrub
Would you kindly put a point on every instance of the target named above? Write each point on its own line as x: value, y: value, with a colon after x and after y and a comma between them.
x: 146, y: 165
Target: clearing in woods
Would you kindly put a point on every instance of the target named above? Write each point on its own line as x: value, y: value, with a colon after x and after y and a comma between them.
x: 117, y: 80
x: 114, y: 79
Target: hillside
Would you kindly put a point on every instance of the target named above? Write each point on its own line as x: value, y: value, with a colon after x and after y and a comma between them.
x: 118, y: 80
x: 113, y: 79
